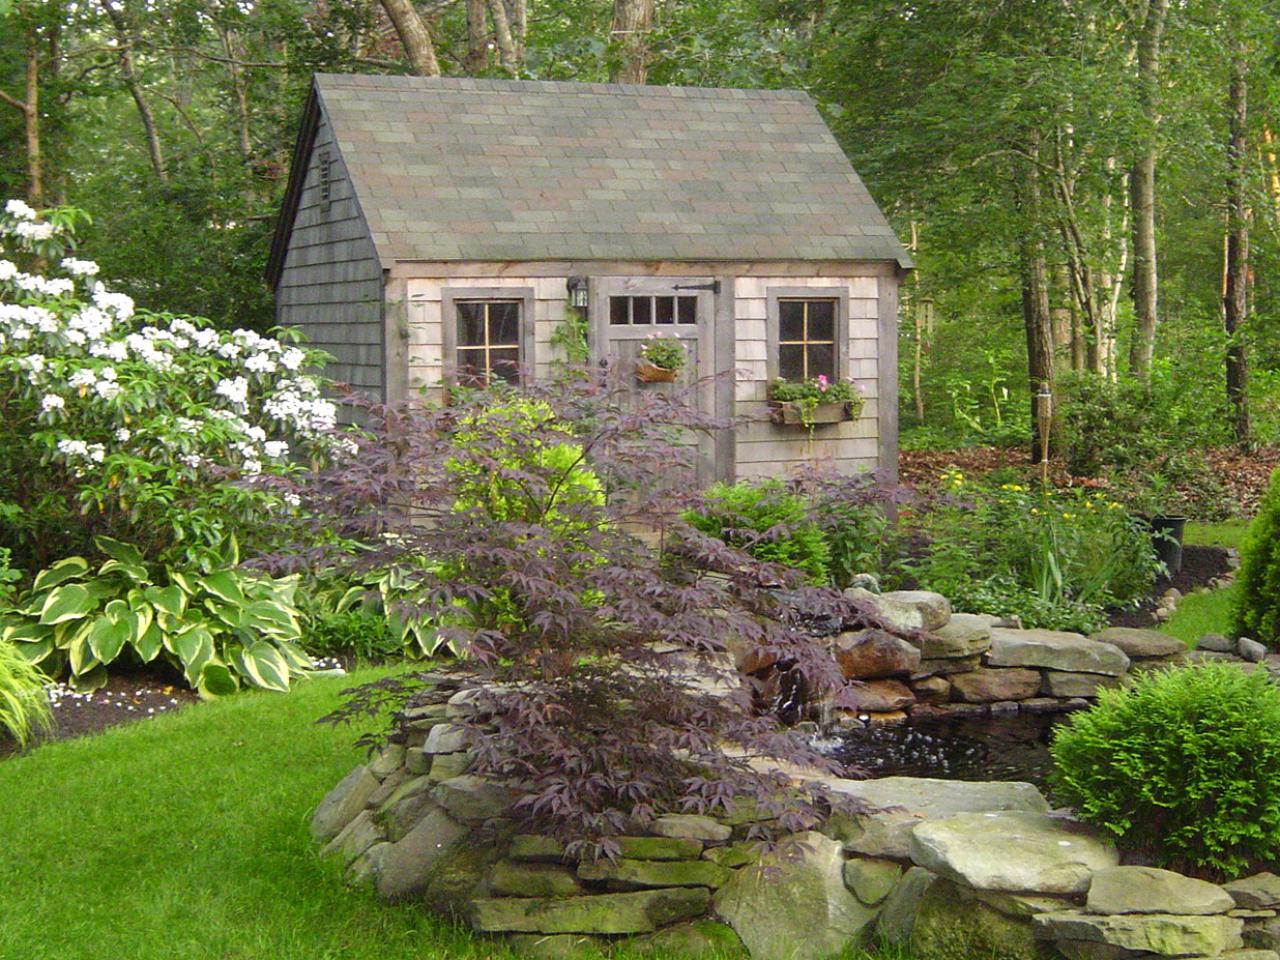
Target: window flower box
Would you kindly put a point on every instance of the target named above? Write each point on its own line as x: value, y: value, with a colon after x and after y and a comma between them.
x: 795, y: 413
x: 808, y: 403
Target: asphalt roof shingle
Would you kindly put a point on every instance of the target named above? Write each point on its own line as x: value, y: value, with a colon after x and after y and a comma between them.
x: 554, y: 170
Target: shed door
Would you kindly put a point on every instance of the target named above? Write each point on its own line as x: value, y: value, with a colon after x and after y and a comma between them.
x: 626, y: 311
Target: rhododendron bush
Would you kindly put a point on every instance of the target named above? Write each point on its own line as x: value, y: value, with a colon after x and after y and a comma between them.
x: 146, y: 428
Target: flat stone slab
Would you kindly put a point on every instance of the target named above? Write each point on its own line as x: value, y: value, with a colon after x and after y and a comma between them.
x: 342, y: 804
x: 689, y: 826
x: 996, y: 684
x: 606, y: 913
x: 1012, y: 851
x: 1055, y: 650
x: 1141, y: 644
x: 1150, y: 890
x: 644, y: 874
x: 964, y: 635
x: 516, y: 878
x: 1064, y: 685
x: 1258, y: 892
x: 1163, y: 934
x: 902, y: 803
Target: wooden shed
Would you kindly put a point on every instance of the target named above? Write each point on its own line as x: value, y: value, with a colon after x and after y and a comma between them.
x: 436, y: 227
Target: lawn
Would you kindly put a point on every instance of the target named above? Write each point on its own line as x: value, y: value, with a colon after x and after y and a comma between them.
x: 1201, y: 613
x: 185, y: 837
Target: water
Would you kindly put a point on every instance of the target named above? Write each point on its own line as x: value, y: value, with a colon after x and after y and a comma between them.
x: 1013, y: 747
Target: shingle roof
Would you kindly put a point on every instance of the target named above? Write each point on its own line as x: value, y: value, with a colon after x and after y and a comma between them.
x: 464, y: 169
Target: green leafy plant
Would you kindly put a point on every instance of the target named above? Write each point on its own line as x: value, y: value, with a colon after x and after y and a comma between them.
x: 1256, y: 613
x: 809, y: 394
x: 768, y: 522
x: 1183, y: 767
x: 666, y: 353
x: 1006, y: 597
x: 9, y: 577
x: 570, y: 336
x: 24, y: 705
x: 221, y: 628
x: 358, y: 633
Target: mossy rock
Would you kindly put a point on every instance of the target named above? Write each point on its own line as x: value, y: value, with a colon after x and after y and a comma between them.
x: 698, y: 940
x: 950, y: 926
x: 458, y: 877
x: 558, y: 946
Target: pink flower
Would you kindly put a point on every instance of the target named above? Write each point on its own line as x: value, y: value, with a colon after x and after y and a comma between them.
x: 822, y: 382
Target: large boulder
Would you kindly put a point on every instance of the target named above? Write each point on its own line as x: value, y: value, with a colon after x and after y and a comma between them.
x: 1149, y: 890
x: 894, y: 614
x: 796, y: 904
x: 987, y: 685
x: 874, y: 655
x: 898, y: 912
x: 608, y: 913
x: 950, y: 925
x: 897, y: 805
x: 871, y: 880
x: 406, y: 865
x: 1163, y: 934
x: 881, y: 696
x: 341, y: 804
x: 1258, y: 892
x: 473, y: 798
x: 934, y: 608
x: 965, y: 635
x: 1055, y: 650
x: 1142, y: 644
x: 1012, y: 851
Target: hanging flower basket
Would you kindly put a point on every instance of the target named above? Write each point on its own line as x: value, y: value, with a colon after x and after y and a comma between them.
x: 795, y: 413
x: 651, y: 373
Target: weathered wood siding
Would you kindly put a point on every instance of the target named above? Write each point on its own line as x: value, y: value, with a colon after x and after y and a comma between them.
x: 766, y: 449
x: 331, y: 282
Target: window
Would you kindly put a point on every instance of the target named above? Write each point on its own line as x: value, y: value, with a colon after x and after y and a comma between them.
x: 648, y: 311
x: 488, y: 341
x: 807, y: 339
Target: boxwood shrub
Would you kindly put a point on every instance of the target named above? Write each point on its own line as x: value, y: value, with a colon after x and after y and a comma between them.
x: 1256, y: 613
x: 1182, y: 767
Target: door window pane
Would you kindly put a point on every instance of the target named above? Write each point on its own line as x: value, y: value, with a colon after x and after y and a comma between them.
x: 641, y: 312
x: 664, y: 309
x: 688, y: 309
x: 619, y: 311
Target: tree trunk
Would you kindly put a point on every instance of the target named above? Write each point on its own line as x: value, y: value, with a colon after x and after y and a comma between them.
x: 629, y: 30
x: 502, y: 35
x: 31, y: 124
x: 124, y: 35
x: 241, y: 97
x: 518, y: 17
x: 1235, y: 299
x: 1142, y: 190
x: 414, y: 37
x: 1035, y: 289
x: 477, y: 57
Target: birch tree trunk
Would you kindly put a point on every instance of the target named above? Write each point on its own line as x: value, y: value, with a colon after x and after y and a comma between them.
x: 125, y: 36
x: 1035, y: 288
x: 477, y: 57
x: 502, y: 35
x: 414, y: 37
x: 629, y: 30
x: 1142, y: 189
x: 1235, y: 299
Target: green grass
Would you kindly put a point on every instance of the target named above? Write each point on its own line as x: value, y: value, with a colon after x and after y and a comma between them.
x: 1201, y: 613
x: 1228, y: 533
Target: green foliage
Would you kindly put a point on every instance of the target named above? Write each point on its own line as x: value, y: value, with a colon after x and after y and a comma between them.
x: 664, y: 352
x: 857, y: 535
x: 9, y: 577
x: 570, y: 336
x: 364, y: 635
x: 1256, y: 613
x: 768, y: 522
x: 221, y: 628
x: 1053, y: 560
x: 24, y: 705
x: 1183, y: 766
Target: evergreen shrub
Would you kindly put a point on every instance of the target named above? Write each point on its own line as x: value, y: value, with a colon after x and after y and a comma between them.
x: 1256, y: 613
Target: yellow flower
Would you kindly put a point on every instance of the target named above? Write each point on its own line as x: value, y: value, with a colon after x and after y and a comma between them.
x: 1035, y: 512
x: 1068, y: 516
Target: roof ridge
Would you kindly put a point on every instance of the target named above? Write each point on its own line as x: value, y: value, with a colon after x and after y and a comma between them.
x: 374, y: 80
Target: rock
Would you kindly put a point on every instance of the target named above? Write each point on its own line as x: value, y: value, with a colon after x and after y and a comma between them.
x: 1089, y: 950
x: 1058, y: 683
x: 1021, y: 904
x: 446, y: 738
x: 964, y: 636
x: 1264, y: 934
x: 871, y: 880
x: 797, y: 906
x: 946, y: 666
x: 355, y: 838
x: 429, y: 711
x: 459, y: 875
x: 932, y: 689
x: 874, y: 654
x: 1161, y: 614
x: 1250, y: 650
x: 688, y: 826
x: 1149, y: 890
x: 1258, y: 892
x: 416, y: 762
x: 659, y: 848
x: 387, y: 788
x: 986, y: 685
x: 1164, y: 934
x: 951, y: 926
x: 896, y: 616
x: 406, y: 864
x: 625, y: 874
x: 469, y: 797
x: 389, y: 759
x: 901, y: 803
x: 607, y: 913
x: 1003, y: 708
x: 362, y: 870
x: 735, y: 855
x: 410, y: 802
x: 882, y: 696
x: 1215, y: 643
x: 1041, y: 705
x: 535, y: 848
x: 513, y: 878
x: 560, y: 946
x: 697, y: 940
x: 446, y: 766
x: 1141, y: 644
x: 341, y: 804
x: 934, y: 608
x: 1055, y: 650
x: 898, y: 913
x: 1012, y: 851
x: 885, y: 717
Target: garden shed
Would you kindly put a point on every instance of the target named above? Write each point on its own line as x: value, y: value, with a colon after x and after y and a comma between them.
x: 440, y: 228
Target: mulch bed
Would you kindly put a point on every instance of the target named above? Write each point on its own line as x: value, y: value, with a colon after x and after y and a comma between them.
x: 126, y: 698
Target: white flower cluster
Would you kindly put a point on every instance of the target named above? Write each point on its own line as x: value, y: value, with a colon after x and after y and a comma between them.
x: 74, y: 356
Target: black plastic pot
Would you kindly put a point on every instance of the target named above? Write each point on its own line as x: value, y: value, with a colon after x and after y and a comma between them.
x: 1167, y: 540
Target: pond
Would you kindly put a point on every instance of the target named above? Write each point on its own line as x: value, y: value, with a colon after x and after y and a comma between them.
x: 1012, y: 747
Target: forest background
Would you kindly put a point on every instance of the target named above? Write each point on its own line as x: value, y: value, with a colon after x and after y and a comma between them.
x: 1090, y: 189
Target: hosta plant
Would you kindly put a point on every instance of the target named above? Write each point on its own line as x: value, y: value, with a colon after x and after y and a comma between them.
x: 221, y: 629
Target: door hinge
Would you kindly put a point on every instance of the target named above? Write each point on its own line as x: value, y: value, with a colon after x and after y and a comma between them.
x: 713, y: 286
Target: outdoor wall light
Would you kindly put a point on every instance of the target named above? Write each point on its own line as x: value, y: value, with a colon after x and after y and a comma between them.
x: 577, y: 287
